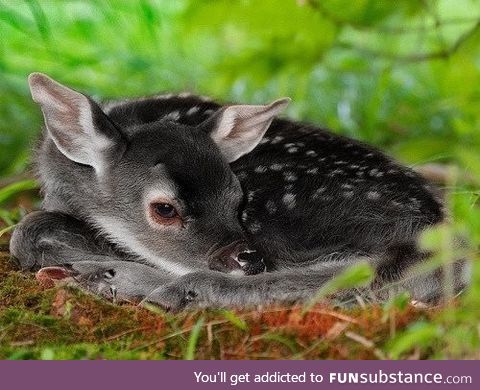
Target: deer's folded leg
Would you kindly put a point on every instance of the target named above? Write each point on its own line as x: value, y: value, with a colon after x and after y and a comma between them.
x: 45, y: 238
x: 214, y: 289
x: 114, y: 280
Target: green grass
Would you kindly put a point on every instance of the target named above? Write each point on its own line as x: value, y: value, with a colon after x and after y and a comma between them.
x: 64, y: 323
x: 402, y: 75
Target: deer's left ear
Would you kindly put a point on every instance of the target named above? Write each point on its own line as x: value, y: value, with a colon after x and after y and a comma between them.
x: 76, y: 124
x: 238, y: 129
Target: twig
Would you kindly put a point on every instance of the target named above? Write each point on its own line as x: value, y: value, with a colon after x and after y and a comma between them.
x: 178, y: 333
x: 121, y: 334
x: 412, y: 58
x: 317, y: 5
x: 369, y: 344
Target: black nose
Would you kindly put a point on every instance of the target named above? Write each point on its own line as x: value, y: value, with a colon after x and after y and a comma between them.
x: 226, y: 258
x: 251, y: 262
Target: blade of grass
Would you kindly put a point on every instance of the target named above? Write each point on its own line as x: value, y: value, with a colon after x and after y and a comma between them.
x: 193, y: 340
x: 40, y: 19
x: 420, y: 334
x: 289, y: 343
x: 235, y: 320
x: 6, y: 217
x: 14, y: 188
x: 355, y: 276
x: 6, y: 230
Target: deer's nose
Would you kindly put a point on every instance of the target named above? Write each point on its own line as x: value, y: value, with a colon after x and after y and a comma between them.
x: 226, y: 258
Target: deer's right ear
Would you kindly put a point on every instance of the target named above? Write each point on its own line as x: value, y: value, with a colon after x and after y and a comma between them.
x: 238, y: 129
x: 77, y: 125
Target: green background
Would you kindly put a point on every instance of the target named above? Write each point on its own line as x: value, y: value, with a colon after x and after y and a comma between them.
x: 400, y: 74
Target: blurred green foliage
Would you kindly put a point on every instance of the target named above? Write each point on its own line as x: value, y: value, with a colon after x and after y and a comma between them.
x: 404, y: 75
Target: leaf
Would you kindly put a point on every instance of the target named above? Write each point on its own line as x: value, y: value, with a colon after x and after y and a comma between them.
x: 15, y: 19
x: 235, y: 320
x: 47, y: 354
x: 15, y: 188
x: 357, y: 275
x: 399, y: 301
x: 421, y: 334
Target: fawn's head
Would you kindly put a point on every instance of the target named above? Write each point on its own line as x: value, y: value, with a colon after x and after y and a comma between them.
x: 161, y: 189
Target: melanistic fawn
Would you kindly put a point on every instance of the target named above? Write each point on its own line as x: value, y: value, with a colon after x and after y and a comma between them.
x: 182, y: 201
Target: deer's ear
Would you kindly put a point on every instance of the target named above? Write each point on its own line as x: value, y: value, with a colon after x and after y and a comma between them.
x: 238, y: 129
x: 77, y: 125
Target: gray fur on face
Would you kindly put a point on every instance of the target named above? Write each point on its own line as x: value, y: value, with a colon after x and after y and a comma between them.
x: 306, y: 202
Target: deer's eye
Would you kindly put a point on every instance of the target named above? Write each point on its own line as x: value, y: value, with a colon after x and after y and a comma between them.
x: 164, y: 213
x: 165, y: 210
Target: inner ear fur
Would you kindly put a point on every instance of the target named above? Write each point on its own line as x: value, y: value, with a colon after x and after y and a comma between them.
x: 237, y: 129
x: 76, y: 124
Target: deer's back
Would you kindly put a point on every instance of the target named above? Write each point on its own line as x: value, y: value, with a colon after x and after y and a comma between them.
x: 308, y: 191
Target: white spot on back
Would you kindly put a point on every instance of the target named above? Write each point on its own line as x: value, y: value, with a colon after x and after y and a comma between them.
x: 289, y: 176
x: 254, y: 227
x: 261, y: 169
x: 264, y: 141
x: 271, y: 207
x: 289, y: 200
x: 375, y: 173
x: 414, y: 201
x: 373, y: 195
x: 162, y: 97
x: 193, y: 110
x: 318, y: 192
x: 277, y: 139
x: 174, y: 116
x: 335, y: 172
x: 277, y: 167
